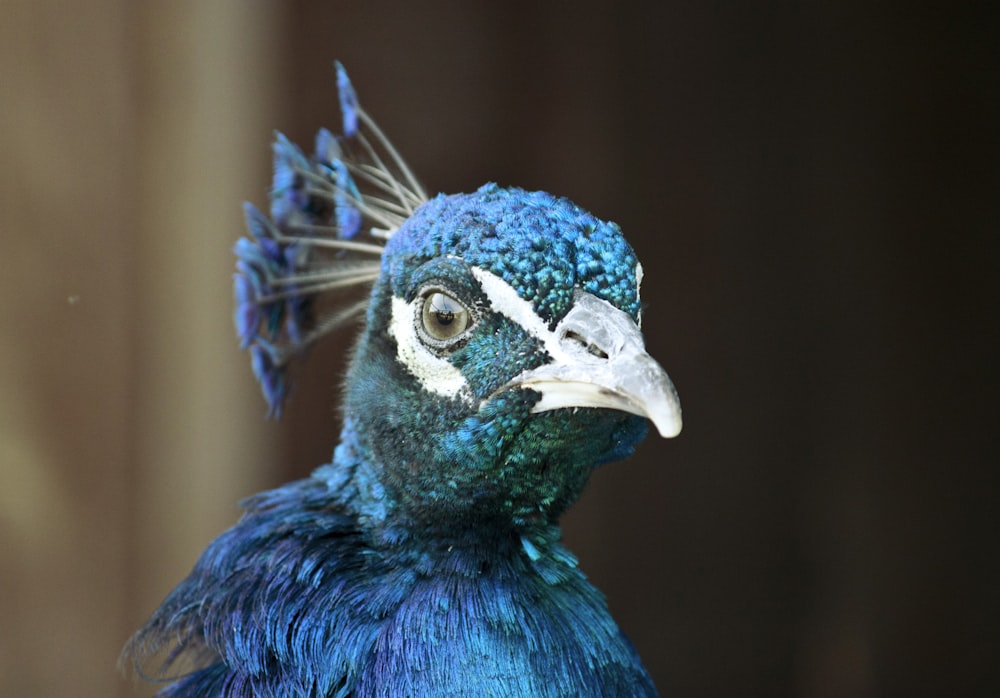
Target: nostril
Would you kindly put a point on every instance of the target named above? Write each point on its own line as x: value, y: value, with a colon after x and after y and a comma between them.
x: 588, y: 345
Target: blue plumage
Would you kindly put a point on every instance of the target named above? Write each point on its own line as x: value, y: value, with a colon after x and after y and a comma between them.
x: 501, y: 361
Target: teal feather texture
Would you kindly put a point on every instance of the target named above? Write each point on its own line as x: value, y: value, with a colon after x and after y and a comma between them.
x: 499, y: 364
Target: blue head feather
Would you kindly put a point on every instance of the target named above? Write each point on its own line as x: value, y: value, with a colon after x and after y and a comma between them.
x: 544, y: 246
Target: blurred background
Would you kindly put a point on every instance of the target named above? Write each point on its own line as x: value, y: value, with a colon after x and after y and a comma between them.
x: 812, y: 188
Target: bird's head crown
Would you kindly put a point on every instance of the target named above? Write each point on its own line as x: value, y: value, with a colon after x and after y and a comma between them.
x: 542, y: 245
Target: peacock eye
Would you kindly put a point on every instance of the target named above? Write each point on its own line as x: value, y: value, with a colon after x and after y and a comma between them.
x: 444, y: 317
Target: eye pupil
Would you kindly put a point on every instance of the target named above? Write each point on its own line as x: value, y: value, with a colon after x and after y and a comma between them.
x: 443, y: 316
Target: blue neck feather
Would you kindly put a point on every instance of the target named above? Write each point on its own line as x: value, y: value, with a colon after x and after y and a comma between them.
x: 297, y: 600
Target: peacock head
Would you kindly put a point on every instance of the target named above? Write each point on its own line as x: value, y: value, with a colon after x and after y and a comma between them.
x: 502, y: 357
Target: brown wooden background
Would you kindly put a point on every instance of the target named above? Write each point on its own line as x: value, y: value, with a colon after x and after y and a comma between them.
x: 812, y: 189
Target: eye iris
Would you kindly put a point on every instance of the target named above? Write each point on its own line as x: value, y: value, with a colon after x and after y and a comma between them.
x: 444, y: 317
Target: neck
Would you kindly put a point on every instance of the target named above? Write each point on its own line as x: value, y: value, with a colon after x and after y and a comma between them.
x: 486, y: 533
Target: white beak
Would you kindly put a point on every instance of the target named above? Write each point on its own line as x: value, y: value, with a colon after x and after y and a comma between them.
x: 599, y: 360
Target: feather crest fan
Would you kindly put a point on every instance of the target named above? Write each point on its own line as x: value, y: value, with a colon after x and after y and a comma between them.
x: 331, y: 214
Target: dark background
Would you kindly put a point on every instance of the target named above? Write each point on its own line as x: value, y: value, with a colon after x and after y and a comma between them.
x: 812, y: 189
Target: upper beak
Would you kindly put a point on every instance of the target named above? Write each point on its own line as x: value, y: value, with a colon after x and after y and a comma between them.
x: 599, y: 360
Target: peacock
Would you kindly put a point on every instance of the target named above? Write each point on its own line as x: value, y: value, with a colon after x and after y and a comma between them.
x: 501, y: 361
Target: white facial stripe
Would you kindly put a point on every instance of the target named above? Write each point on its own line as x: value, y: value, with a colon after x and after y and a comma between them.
x: 505, y: 301
x: 638, y: 285
x: 434, y: 373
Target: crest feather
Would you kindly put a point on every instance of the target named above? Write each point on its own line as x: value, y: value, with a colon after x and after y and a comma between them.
x: 330, y: 216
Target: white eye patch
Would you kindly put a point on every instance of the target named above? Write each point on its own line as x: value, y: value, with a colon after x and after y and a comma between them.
x: 434, y: 373
x: 504, y: 300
